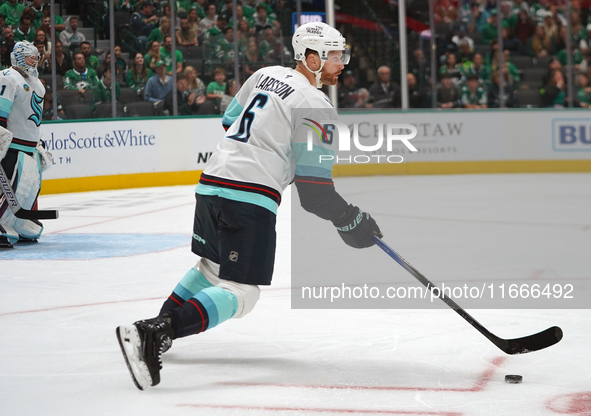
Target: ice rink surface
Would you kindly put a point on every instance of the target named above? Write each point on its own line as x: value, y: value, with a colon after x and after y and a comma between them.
x: 114, y: 256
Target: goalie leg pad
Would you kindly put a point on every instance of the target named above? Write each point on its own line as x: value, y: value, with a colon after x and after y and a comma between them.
x: 9, y: 233
x: 26, y: 181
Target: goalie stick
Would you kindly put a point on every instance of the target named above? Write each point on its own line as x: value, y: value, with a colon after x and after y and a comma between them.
x: 522, y: 345
x: 16, y: 208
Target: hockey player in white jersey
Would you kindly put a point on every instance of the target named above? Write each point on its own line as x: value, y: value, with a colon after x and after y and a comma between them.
x: 21, y: 155
x: 238, y: 195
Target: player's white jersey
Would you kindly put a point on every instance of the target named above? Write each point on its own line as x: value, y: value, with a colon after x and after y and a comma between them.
x: 21, y: 105
x: 257, y: 148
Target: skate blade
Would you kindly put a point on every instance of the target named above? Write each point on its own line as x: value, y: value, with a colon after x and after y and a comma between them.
x: 130, y: 343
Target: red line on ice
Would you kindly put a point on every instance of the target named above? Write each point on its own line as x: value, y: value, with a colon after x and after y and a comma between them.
x: 319, y: 409
x: 76, y: 306
x: 479, y: 385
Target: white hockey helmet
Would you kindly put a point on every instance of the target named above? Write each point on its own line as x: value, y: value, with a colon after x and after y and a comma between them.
x: 322, y: 38
x: 26, y: 57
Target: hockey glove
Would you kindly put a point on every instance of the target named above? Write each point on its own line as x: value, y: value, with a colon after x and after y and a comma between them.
x: 357, y: 228
x: 45, y: 158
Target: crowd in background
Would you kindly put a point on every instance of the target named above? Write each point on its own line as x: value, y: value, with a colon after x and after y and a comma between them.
x: 534, y: 69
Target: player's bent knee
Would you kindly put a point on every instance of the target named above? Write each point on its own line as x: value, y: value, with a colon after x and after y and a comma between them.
x: 247, y: 295
x: 209, y: 270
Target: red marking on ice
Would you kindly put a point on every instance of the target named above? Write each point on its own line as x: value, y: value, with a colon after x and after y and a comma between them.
x: 571, y: 404
x: 479, y: 385
x: 55, y: 308
x: 587, y: 227
x: 319, y: 410
x: 536, y: 274
x: 120, y: 218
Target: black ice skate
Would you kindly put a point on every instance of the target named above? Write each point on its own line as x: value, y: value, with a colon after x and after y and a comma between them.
x: 141, y: 345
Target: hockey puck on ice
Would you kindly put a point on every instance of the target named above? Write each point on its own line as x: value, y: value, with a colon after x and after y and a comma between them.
x: 513, y: 379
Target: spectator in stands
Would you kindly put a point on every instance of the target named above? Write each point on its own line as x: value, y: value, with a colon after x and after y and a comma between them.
x: 194, y: 83
x: 278, y: 55
x: 143, y: 21
x: 524, y: 27
x: 47, y: 112
x: 553, y: 92
x: 186, y: 102
x: 228, y: 95
x: 584, y: 92
x: 539, y: 10
x: 7, y: 46
x: 44, y: 59
x: 193, y: 21
x: 473, y: 95
x: 214, y: 34
x: 384, y: 92
x: 119, y: 61
x: 252, y: 58
x: 200, y: 6
x: 166, y: 56
x: 262, y: 21
x: 364, y: 99
x: 185, y: 36
x: 461, y: 35
x: 71, y: 37
x: 478, y: 68
x: 102, y: 93
x: 477, y: 19
x: 539, y: 44
x: 455, y: 70
x: 159, y: 85
x: 466, y: 54
x: 419, y: 67
x: 63, y: 63
x: 493, y: 96
x: 37, y: 8
x: 585, y: 42
x: 510, y: 70
x: 217, y: 87
x: 12, y: 11
x: 81, y: 77
x: 553, y: 66
x: 489, y: 31
x: 347, y: 91
x: 509, y: 19
x: 445, y: 11
x: 511, y: 43
x: 153, y: 55
x: 91, y: 60
x: 448, y: 95
x: 24, y: 32
x: 45, y: 25
x: 244, y: 31
x: 42, y: 37
x: 239, y: 17
x: 166, y: 13
x: 160, y: 32
x: 100, y: 70
x: 138, y: 74
x: 551, y: 27
x: 210, y: 18
x: 58, y: 21
x: 417, y: 97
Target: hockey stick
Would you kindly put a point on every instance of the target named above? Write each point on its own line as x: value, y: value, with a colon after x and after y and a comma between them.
x: 522, y: 345
x: 16, y: 208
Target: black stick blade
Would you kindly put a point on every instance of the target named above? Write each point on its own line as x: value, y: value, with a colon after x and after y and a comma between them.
x: 530, y: 343
x: 26, y: 214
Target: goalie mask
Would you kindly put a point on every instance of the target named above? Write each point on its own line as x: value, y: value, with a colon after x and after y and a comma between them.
x: 25, y: 56
x: 322, y: 38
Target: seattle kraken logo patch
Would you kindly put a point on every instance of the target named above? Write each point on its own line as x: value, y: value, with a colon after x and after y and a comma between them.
x: 36, y: 107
